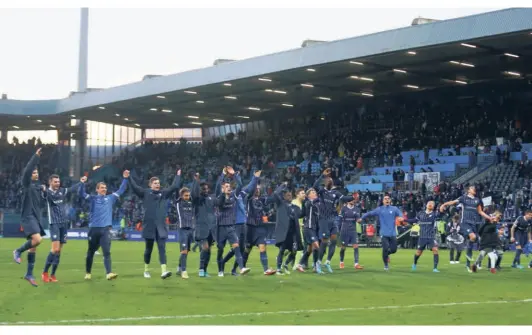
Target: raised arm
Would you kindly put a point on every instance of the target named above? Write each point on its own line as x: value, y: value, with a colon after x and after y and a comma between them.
x: 139, y: 191
x: 175, y: 185
x: 277, y: 196
x: 317, y: 184
x: 123, y: 186
x: 83, y: 195
x: 239, y: 185
x: 448, y: 203
x: 250, y: 188
x: 28, y: 170
x: 218, y: 187
x: 195, y: 188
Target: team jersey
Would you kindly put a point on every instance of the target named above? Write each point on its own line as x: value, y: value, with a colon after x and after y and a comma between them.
x: 427, y: 224
x: 185, y: 214
x: 101, y: 206
x: 522, y: 224
x: 470, y: 209
x: 349, y: 217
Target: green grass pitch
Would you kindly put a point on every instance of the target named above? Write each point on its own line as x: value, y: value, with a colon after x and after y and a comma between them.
x: 346, y: 297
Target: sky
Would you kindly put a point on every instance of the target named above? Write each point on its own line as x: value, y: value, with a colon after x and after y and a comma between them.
x: 39, y: 47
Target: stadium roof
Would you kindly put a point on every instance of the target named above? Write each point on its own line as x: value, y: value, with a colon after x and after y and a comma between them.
x: 483, y: 48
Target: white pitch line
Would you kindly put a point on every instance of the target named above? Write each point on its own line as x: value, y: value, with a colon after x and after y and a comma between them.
x: 302, y: 311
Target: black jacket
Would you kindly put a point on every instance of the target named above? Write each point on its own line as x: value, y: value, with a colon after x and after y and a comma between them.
x: 204, y: 205
x: 155, y: 208
x: 287, y: 225
x: 31, y: 193
x: 489, y: 236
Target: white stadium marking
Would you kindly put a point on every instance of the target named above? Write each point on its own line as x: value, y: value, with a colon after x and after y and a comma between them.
x: 302, y: 311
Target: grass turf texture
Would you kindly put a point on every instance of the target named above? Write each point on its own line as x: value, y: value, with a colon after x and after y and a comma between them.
x: 346, y: 297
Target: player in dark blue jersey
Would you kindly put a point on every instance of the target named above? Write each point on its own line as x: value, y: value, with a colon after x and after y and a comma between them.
x: 328, y: 231
x: 100, y: 224
x: 154, y: 228
x: 31, y: 215
x: 472, y: 214
x: 349, y: 215
x: 186, y: 221
x: 520, y: 235
x: 256, y: 231
x: 427, y: 234
x: 310, y: 232
x: 55, y: 197
x: 205, y: 207
x: 241, y: 216
x: 226, y: 202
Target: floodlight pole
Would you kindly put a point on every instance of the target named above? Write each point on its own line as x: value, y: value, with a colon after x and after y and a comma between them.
x: 83, y: 50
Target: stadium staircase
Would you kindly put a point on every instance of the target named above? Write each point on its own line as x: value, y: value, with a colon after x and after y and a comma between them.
x: 484, y: 164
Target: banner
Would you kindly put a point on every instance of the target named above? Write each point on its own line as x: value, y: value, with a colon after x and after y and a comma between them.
x: 487, y: 201
x: 431, y: 179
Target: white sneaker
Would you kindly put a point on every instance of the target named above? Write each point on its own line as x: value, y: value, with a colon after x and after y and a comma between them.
x: 184, y: 275
x: 456, y: 262
x: 97, y: 253
x: 147, y: 275
x: 243, y: 271
x: 166, y: 274
x: 452, y: 262
x: 479, y: 267
x: 220, y: 274
x: 279, y: 273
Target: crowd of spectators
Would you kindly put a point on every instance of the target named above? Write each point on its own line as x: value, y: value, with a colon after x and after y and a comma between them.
x: 348, y: 143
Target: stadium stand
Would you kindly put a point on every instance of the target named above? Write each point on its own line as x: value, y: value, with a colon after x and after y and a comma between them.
x: 420, y: 121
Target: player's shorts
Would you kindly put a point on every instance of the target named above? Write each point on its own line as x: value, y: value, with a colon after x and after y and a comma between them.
x: 348, y: 236
x: 466, y: 229
x: 185, y: 238
x: 58, y: 233
x: 99, y: 237
x: 226, y: 234
x: 31, y: 226
x: 209, y: 240
x: 256, y: 235
x: 521, y: 238
x: 426, y: 243
x: 327, y: 228
x: 310, y: 235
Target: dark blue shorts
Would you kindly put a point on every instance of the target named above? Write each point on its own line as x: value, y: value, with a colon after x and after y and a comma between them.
x: 256, y: 235
x: 99, y: 237
x: 327, y: 228
x: 58, y: 232
x: 426, y: 243
x: 310, y: 235
x: 209, y: 240
x: 348, y: 237
x: 521, y: 238
x: 226, y: 234
x: 186, y: 236
x: 31, y: 226
x: 466, y: 229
